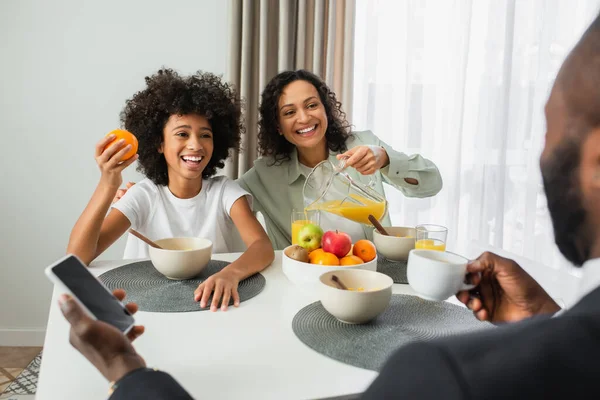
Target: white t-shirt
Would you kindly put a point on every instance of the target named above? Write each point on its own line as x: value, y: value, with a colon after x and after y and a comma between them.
x: 157, y: 214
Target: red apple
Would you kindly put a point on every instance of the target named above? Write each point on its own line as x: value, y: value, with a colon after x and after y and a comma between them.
x: 336, y: 242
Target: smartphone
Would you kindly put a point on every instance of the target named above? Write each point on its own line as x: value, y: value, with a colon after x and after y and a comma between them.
x: 72, y: 276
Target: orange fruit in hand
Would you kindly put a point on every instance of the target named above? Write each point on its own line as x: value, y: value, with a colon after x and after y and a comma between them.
x: 365, y: 250
x: 324, y: 258
x: 129, y: 139
x: 351, y: 260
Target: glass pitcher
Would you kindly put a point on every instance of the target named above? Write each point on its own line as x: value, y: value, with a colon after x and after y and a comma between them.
x: 329, y: 188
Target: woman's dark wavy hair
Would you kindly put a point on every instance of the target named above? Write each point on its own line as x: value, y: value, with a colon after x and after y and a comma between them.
x: 166, y: 94
x: 271, y: 143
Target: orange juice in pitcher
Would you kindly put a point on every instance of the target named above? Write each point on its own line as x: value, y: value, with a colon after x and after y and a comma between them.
x: 329, y: 188
x: 355, y: 211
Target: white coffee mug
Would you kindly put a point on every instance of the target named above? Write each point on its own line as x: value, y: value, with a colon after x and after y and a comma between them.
x: 436, y: 275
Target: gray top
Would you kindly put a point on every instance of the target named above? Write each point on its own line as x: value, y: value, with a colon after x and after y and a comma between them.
x: 277, y: 189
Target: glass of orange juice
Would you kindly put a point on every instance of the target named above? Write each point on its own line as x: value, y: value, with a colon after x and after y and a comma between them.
x: 431, y: 237
x: 301, y: 218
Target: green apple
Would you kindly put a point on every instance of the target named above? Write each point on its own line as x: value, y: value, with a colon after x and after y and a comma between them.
x: 309, y: 237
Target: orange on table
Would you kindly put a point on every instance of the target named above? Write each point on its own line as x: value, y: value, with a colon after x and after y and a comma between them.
x: 129, y: 139
x: 324, y: 258
x: 365, y: 250
x: 351, y: 260
x: 314, y: 254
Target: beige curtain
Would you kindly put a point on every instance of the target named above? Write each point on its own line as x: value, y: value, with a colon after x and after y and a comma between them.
x: 270, y: 36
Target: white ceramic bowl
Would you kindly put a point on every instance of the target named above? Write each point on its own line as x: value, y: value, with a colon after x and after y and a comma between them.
x: 356, y: 307
x: 181, y: 258
x: 302, y: 273
x: 392, y: 247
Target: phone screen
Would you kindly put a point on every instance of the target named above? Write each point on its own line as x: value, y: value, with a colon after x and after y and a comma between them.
x: 98, y: 300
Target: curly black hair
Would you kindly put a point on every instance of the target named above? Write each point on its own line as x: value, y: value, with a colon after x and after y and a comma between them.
x: 166, y: 94
x: 271, y: 143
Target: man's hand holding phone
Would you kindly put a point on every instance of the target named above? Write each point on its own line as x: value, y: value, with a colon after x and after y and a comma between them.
x: 105, y: 346
x: 94, y: 298
x: 102, y: 328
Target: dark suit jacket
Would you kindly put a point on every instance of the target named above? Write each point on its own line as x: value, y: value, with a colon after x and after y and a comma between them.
x: 540, y: 358
x: 149, y: 385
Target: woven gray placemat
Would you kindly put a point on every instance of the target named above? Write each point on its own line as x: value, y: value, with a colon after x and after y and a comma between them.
x: 153, y: 292
x: 407, y: 319
x: 394, y: 269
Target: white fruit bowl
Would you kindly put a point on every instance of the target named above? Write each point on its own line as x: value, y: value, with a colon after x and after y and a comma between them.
x: 307, y: 275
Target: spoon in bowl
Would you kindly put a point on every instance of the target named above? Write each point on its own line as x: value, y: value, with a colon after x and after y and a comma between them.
x: 339, y: 283
x: 377, y: 225
x: 144, y: 238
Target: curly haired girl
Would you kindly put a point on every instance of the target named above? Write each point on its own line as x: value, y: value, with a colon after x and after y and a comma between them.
x: 185, y: 127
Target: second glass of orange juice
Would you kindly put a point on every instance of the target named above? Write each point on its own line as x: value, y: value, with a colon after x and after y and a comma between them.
x: 301, y: 218
x: 431, y: 237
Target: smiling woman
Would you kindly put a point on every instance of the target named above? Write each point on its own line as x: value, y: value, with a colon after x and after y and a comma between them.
x: 301, y: 124
x: 303, y: 120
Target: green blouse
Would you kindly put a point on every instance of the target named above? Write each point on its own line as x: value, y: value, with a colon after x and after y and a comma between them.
x: 277, y: 189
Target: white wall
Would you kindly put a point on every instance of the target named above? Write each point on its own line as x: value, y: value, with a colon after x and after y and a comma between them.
x: 66, y: 68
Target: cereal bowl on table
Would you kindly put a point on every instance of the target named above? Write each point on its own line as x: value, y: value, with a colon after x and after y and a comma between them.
x: 368, y: 295
x: 181, y: 258
x: 306, y: 273
x: 397, y: 245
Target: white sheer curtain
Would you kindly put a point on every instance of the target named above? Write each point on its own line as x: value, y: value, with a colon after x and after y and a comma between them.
x: 464, y: 83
